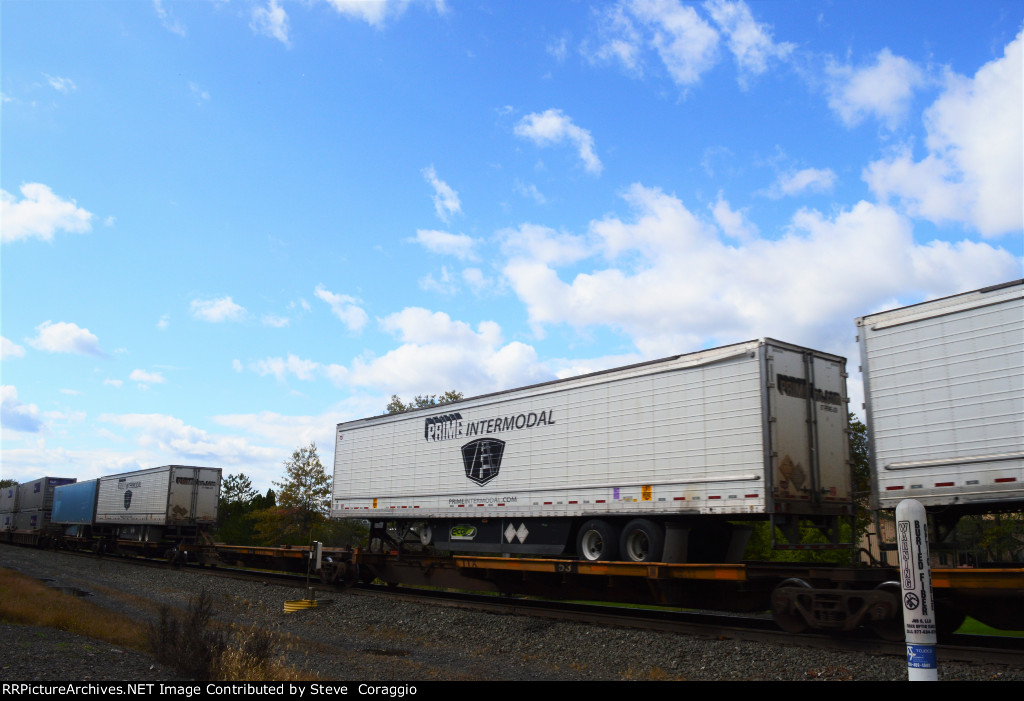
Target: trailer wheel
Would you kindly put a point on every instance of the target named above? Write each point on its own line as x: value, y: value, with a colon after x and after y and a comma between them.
x: 642, y: 541
x: 597, y: 540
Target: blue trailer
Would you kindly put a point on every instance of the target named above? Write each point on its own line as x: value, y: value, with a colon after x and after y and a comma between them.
x: 74, y: 506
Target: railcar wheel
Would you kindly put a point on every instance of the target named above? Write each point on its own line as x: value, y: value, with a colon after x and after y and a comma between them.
x: 642, y: 541
x: 329, y: 571
x: 784, y: 607
x: 887, y: 620
x: 597, y: 541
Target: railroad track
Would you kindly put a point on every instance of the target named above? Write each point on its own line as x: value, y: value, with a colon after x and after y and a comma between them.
x: 728, y: 635
x: 962, y: 648
x: 708, y: 624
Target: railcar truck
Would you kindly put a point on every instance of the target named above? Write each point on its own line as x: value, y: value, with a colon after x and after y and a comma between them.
x: 651, y: 462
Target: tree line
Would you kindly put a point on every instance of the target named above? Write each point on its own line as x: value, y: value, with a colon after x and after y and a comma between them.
x: 296, y: 514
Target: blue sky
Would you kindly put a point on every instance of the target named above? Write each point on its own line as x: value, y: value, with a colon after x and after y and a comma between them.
x: 228, y: 226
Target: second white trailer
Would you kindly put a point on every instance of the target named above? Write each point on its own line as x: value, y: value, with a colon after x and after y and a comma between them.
x: 142, y: 505
x: 944, y: 388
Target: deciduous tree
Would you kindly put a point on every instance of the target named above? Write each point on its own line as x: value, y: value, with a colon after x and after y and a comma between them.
x: 302, y: 499
x: 397, y: 406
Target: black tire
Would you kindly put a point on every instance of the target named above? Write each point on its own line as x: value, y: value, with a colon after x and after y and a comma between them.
x: 597, y: 541
x: 642, y: 541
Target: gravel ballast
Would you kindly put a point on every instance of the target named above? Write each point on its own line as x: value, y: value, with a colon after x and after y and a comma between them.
x: 370, y: 638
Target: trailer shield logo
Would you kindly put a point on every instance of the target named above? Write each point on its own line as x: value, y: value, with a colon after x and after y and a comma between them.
x: 482, y: 459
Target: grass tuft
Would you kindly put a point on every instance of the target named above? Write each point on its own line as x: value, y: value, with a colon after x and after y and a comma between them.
x: 28, y: 601
x: 191, y: 643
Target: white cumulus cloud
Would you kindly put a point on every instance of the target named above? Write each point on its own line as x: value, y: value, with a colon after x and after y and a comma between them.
x: 445, y: 283
x: 670, y: 281
x: 271, y: 21
x: 882, y: 89
x: 477, y: 281
x: 290, y: 431
x: 540, y: 243
x: 66, y: 337
x: 435, y: 353
x: 144, y: 377
x: 344, y: 307
x: 973, y: 171
x: 733, y: 224
x: 169, y: 23
x: 218, y: 310
x: 446, y: 199
x: 458, y: 245
x: 806, y: 180
x: 378, y: 12
x: 530, y: 192
x: 749, y: 41
x: 10, y: 349
x: 63, y: 85
x: 552, y: 127
x: 39, y: 214
x: 619, y: 42
x: 173, y: 440
x: 17, y: 416
x: 282, y: 367
x: 438, y: 353
x: 275, y: 321
x: 685, y: 44
x: 418, y: 325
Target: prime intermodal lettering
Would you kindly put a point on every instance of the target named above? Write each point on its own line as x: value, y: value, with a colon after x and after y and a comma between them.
x: 452, y: 426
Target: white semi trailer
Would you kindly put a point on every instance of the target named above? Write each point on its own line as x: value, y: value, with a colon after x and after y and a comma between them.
x: 149, y: 505
x: 649, y: 462
x: 944, y: 390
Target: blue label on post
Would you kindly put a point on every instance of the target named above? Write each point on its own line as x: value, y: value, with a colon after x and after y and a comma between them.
x: 921, y: 656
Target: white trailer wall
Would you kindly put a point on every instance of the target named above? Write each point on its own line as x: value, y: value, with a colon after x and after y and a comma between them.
x: 169, y: 495
x: 944, y: 383
x: 708, y: 432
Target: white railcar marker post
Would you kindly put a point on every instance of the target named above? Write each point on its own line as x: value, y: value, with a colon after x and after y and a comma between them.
x: 916, y: 584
